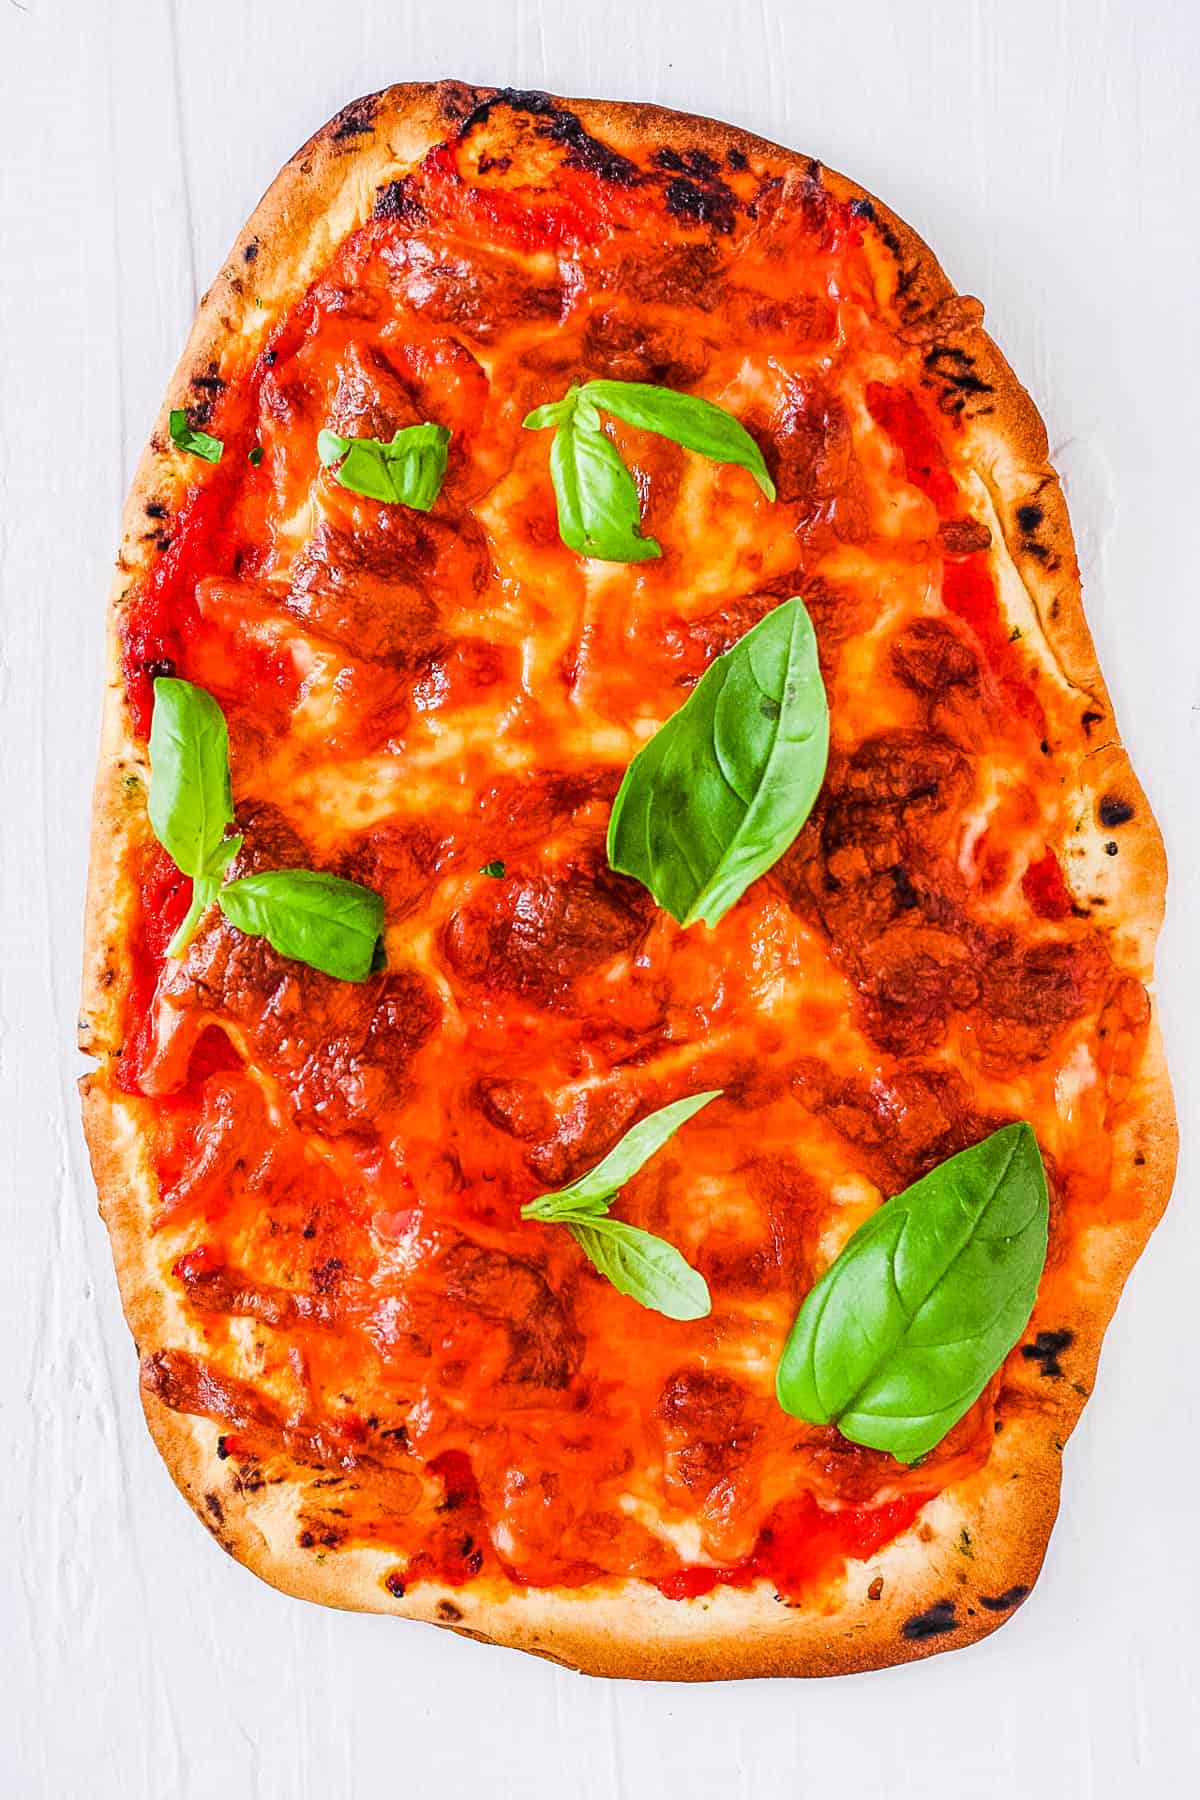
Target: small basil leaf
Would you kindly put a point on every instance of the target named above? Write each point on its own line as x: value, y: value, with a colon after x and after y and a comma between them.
x: 552, y: 413
x: 256, y: 455
x: 407, y: 472
x: 196, y: 443
x: 684, y: 418
x: 494, y: 869
x: 310, y: 916
x: 629, y: 1154
x: 598, y: 508
x: 902, y: 1333
x: 191, y: 797
x: 721, y: 790
x: 645, y: 1267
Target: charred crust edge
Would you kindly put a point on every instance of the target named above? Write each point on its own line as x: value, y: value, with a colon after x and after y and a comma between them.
x: 936, y: 1621
x: 999, y: 1603
x: 1046, y: 1349
x: 1115, y: 811
x: 355, y: 120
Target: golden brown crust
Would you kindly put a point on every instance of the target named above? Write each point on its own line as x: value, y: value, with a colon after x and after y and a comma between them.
x: 976, y: 1550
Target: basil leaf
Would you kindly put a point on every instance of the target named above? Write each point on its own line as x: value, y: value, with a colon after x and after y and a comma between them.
x: 310, y: 916
x: 494, y: 869
x: 552, y: 413
x: 407, y: 472
x: 256, y: 455
x: 629, y: 1154
x: 902, y: 1333
x: 598, y: 507
x: 191, y: 796
x: 645, y: 1267
x: 306, y: 914
x: 684, y: 418
x: 721, y: 790
x: 196, y: 443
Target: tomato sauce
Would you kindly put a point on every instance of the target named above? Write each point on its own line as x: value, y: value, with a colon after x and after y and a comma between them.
x: 1044, y: 886
x: 801, y: 1547
x: 901, y: 415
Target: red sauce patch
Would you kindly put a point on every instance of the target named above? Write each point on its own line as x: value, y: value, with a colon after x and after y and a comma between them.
x: 163, y: 899
x: 969, y: 592
x: 898, y: 412
x: 802, y: 1546
x: 1044, y: 886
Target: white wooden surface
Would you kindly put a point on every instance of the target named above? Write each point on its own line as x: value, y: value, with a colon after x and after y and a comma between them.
x: 1050, y: 152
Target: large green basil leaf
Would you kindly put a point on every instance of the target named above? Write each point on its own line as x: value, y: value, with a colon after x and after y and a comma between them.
x: 686, y: 419
x: 310, y: 916
x: 721, y: 790
x: 644, y: 1267
x: 407, y: 472
x: 191, y: 795
x: 902, y: 1333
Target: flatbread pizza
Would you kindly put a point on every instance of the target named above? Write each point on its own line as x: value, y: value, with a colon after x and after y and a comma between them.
x: 620, y: 929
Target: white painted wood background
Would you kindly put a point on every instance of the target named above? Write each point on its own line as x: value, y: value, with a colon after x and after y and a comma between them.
x: 1050, y: 152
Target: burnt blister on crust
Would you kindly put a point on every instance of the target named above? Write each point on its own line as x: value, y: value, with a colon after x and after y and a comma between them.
x: 961, y: 389
x: 355, y: 120
x: 695, y: 190
x: 560, y: 126
x: 936, y: 1621
x: 396, y: 200
x: 1000, y: 1603
x: 1046, y: 1349
x: 1115, y: 811
x: 211, y: 381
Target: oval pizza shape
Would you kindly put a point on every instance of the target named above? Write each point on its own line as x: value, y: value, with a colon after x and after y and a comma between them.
x: 410, y: 991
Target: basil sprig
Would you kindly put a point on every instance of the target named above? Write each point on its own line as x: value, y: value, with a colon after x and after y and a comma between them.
x: 196, y: 443
x: 310, y: 916
x: 901, y: 1334
x: 407, y: 472
x: 191, y: 797
x: 305, y: 914
x: 598, y: 508
x: 644, y: 1267
x: 720, y: 791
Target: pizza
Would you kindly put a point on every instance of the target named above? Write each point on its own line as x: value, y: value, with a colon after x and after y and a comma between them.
x: 626, y: 1085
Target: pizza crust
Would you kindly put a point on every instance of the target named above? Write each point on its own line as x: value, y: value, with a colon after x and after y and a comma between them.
x: 975, y: 1552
